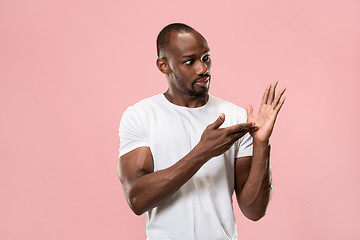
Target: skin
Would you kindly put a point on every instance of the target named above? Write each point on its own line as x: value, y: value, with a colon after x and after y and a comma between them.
x: 186, y: 64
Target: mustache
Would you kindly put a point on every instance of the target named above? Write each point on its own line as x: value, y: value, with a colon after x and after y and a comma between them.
x: 203, y: 76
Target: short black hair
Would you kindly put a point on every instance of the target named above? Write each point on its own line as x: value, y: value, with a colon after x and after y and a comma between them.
x: 163, y: 38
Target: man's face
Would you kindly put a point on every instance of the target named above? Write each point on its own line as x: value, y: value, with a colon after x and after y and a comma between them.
x: 188, y: 57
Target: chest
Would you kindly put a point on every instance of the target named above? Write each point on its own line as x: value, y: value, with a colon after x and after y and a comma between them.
x: 173, y: 134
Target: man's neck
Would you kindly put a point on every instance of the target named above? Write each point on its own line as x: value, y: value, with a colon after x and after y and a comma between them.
x: 187, y: 100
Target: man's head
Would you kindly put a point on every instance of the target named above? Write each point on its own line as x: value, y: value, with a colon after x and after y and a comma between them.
x: 163, y: 38
x: 184, y: 57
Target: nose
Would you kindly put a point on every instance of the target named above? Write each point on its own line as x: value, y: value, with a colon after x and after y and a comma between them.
x: 202, y: 68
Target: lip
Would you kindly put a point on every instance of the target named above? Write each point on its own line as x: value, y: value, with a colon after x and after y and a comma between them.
x: 202, y: 83
x: 203, y: 80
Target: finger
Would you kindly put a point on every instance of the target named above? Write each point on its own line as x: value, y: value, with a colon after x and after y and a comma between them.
x: 218, y: 122
x: 247, y: 127
x: 272, y: 92
x: 249, y: 110
x: 278, y: 97
x: 278, y: 107
x: 266, y: 94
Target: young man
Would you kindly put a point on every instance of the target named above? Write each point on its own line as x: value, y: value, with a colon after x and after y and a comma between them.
x: 184, y: 152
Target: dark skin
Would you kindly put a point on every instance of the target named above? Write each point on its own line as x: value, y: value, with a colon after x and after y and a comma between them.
x: 187, y: 66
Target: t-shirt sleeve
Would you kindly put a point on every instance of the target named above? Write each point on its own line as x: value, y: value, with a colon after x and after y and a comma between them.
x: 245, y: 146
x: 132, y: 131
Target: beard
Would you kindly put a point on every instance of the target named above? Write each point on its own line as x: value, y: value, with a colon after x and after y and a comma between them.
x: 194, y: 91
x: 198, y: 94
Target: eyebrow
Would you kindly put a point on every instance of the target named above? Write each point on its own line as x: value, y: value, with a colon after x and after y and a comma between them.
x: 193, y: 55
x: 188, y: 56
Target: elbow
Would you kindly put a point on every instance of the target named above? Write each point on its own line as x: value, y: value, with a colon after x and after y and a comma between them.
x: 137, y: 211
x: 135, y: 206
x: 255, y: 217
x: 253, y: 214
x: 134, y: 200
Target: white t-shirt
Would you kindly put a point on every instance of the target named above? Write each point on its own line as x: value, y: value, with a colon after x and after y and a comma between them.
x: 202, y: 207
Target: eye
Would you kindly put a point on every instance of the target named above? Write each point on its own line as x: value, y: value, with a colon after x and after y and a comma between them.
x: 189, y: 62
x: 206, y: 58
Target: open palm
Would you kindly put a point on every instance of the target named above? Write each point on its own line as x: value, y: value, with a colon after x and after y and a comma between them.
x: 269, y: 109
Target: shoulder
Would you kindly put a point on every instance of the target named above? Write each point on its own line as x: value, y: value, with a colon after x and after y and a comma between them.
x: 144, y: 106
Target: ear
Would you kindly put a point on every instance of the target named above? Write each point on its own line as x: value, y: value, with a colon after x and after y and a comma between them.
x: 163, y: 66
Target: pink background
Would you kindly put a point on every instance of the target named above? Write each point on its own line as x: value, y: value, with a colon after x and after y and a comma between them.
x: 69, y: 69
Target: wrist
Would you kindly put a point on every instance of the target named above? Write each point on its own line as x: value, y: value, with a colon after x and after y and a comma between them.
x: 261, y: 151
x: 261, y: 143
x: 199, y: 154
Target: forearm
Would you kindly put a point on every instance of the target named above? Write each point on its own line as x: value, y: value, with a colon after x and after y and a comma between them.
x: 150, y: 190
x: 255, y: 195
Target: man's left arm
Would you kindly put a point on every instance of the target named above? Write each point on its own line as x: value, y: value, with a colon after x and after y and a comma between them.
x: 253, y: 174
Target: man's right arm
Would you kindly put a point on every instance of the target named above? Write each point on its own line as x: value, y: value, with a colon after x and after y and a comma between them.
x: 145, y: 189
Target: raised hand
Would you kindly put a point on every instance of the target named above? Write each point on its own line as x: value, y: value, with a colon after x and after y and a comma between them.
x: 269, y: 109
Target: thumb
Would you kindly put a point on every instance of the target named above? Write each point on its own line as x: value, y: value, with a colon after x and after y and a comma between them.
x: 218, y: 122
x: 249, y: 110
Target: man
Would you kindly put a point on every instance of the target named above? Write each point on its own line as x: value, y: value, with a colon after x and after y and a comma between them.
x: 184, y: 152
